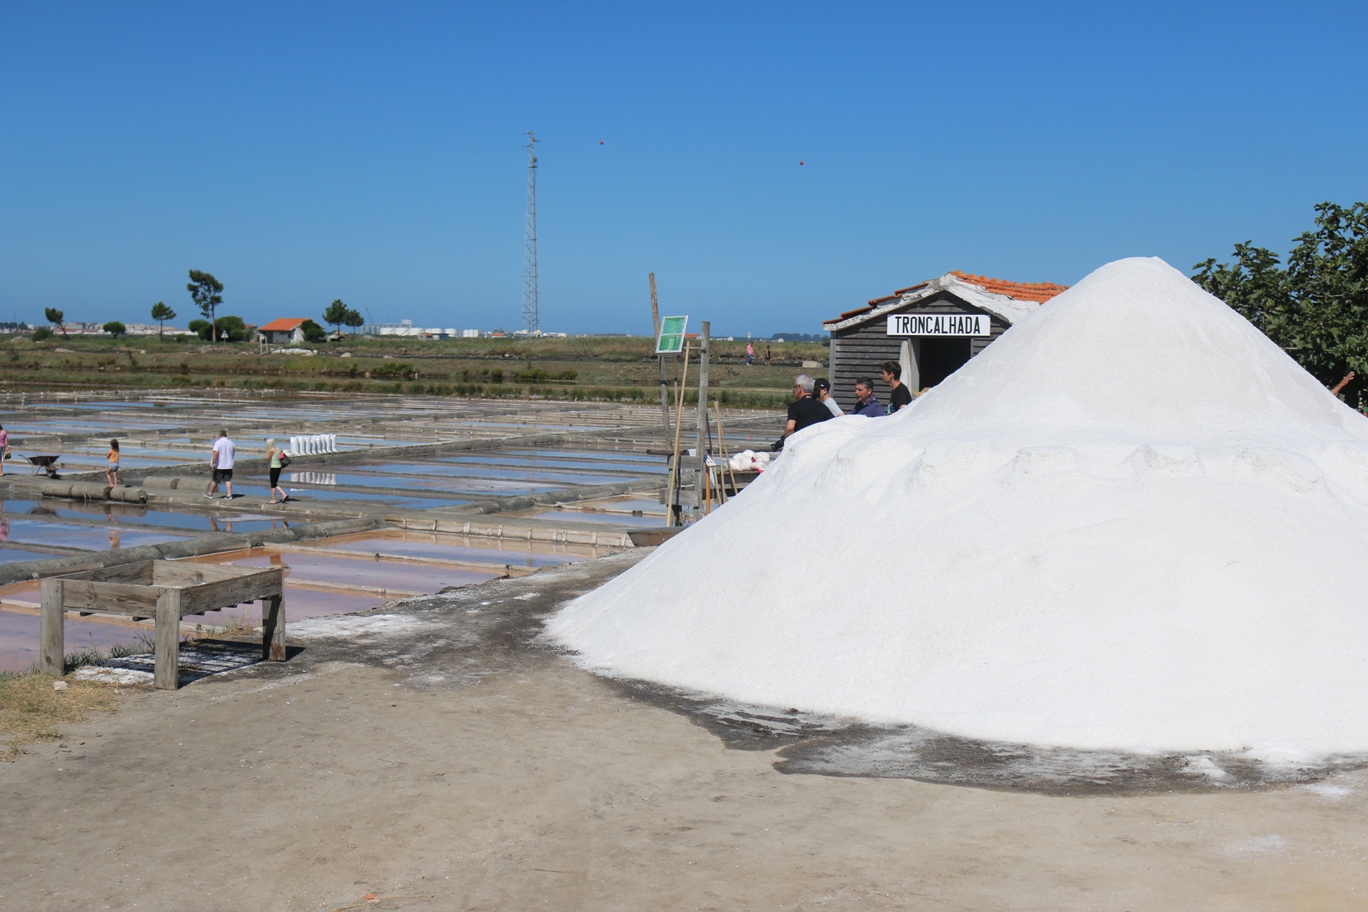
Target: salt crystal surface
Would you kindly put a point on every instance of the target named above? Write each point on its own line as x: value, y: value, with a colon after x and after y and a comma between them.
x: 1133, y: 522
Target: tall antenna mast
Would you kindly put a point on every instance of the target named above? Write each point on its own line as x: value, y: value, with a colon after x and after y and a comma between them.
x: 531, y: 303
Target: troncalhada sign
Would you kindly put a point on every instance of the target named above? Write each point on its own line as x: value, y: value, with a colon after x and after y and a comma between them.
x: 939, y: 325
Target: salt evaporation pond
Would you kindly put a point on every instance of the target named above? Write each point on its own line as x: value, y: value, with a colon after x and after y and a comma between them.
x: 1131, y: 523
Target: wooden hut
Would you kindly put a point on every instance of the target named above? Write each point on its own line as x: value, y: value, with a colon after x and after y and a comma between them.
x: 931, y: 329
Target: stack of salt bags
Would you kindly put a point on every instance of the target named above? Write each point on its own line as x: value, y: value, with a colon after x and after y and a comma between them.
x: 1132, y: 522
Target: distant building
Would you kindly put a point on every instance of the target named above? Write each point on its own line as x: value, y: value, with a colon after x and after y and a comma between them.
x: 285, y: 331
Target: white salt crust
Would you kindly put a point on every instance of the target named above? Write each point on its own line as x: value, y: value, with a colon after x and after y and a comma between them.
x: 1132, y: 522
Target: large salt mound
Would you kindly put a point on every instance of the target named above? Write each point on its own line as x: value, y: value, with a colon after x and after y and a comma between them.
x: 1132, y: 522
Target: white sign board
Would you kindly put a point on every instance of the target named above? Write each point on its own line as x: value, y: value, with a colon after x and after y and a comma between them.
x: 940, y: 325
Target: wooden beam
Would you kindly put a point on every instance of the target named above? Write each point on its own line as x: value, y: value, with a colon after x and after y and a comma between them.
x: 166, y: 661
x: 51, y: 645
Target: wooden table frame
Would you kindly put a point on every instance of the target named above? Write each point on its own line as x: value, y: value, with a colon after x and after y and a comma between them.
x: 166, y: 591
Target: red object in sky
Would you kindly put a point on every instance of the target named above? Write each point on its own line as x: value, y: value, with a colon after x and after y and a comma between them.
x: 600, y: 142
x: 800, y: 163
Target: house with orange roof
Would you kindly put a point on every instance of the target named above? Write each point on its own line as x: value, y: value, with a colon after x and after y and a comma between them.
x: 284, y: 331
x: 931, y: 329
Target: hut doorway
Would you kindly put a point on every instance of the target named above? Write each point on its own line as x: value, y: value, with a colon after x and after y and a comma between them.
x: 940, y: 356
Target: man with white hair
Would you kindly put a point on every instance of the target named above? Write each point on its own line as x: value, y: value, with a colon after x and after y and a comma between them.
x: 804, y: 410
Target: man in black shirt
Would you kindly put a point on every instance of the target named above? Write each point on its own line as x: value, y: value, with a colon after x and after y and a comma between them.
x: 891, y: 371
x: 804, y: 410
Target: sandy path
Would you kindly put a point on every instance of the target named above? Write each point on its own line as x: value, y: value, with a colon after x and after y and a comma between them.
x: 455, y: 771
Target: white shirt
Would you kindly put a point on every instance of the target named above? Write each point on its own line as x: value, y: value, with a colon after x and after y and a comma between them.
x: 225, y: 450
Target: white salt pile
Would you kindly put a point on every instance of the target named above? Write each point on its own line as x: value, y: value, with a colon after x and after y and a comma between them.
x: 1132, y: 522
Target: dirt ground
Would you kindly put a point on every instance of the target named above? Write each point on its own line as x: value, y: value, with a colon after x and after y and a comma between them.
x: 430, y: 758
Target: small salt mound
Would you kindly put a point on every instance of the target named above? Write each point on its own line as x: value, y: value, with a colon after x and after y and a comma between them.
x: 1132, y: 522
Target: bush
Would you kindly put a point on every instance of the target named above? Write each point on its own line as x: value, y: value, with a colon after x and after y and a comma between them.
x: 115, y: 328
x: 42, y: 334
x: 394, y: 370
x: 200, y: 328
x: 313, y: 332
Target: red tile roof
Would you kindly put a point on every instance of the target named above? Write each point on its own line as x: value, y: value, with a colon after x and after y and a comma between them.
x: 284, y: 324
x: 1022, y: 291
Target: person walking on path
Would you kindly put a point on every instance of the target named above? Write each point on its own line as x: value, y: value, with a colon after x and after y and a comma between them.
x: 4, y: 448
x: 112, y: 470
x: 273, y: 454
x: 221, y: 461
x: 767, y: 356
x: 750, y: 354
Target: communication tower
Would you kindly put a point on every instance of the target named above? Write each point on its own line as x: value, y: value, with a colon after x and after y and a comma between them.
x: 531, y: 304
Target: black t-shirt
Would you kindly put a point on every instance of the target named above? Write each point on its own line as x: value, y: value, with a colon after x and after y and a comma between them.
x: 807, y: 411
x: 900, y: 397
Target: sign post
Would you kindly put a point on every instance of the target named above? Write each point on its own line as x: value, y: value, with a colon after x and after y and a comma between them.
x: 670, y: 341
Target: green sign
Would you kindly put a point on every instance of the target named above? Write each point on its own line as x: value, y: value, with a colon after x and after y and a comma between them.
x: 671, y: 340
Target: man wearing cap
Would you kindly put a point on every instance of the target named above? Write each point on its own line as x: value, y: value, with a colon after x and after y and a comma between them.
x: 822, y: 391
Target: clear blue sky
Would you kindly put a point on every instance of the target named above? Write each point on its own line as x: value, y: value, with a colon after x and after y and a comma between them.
x: 372, y: 152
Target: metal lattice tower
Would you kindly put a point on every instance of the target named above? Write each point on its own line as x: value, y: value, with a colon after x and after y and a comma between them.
x: 531, y: 303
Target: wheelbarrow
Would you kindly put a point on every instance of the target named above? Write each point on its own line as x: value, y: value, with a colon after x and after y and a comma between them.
x: 46, y: 463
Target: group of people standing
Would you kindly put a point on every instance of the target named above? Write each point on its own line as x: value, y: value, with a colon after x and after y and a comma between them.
x: 812, y: 402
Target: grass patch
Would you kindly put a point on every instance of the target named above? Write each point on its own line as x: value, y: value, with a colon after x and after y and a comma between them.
x: 31, y: 711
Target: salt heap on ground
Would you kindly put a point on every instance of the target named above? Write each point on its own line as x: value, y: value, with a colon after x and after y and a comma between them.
x: 1132, y: 522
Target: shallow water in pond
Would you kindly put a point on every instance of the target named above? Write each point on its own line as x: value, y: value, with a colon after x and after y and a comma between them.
x: 70, y: 535
x: 441, y: 546
x: 358, y: 571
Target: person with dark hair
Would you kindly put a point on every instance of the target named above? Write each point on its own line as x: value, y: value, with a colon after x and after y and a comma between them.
x: 822, y: 391
x: 803, y: 411
x: 865, y: 403
x: 901, y: 397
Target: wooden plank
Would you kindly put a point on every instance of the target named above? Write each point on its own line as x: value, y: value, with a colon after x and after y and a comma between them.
x: 184, y: 574
x: 235, y: 591
x: 166, y: 664
x: 273, y: 628
x: 52, y: 648
x: 112, y: 598
x: 137, y: 573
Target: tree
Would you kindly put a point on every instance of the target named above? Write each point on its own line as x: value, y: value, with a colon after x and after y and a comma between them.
x: 1317, y: 308
x: 312, y: 331
x: 231, y: 328
x: 354, y: 320
x: 115, y: 328
x: 42, y: 334
x: 336, y: 314
x: 201, y: 328
x: 55, y: 317
x: 161, y: 313
x: 207, y: 293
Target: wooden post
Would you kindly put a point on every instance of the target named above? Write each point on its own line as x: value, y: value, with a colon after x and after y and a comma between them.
x: 672, y: 508
x: 664, y: 383
x: 725, y: 466
x: 166, y: 667
x: 699, y: 486
x: 52, y: 644
x: 273, y: 628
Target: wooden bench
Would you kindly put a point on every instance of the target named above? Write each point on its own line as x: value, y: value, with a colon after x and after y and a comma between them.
x: 166, y: 591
